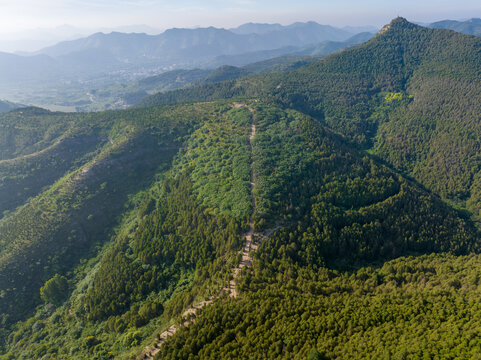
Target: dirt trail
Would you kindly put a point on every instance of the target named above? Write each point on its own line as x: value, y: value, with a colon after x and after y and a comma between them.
x: 150, y: 352
x: 249, y: 245
x: 34, y: 154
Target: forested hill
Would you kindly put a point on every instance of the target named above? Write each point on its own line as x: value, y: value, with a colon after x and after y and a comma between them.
x: 165, y: 191
x: 354, y: 181
x: 411, y: 95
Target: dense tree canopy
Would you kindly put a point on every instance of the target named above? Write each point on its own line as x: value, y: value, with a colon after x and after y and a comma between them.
x: 365, y: 198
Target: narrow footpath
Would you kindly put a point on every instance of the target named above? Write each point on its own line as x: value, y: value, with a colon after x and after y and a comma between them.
x: 249, y: 245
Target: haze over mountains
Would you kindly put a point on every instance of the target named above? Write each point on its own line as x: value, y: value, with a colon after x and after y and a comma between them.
x: 471, y: 26
x: 100, y: 53
x: 66, y: 75
x: 25, y: 41
x: 68, y: 71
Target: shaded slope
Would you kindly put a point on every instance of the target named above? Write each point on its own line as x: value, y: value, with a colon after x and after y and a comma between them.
x: 52, y: 231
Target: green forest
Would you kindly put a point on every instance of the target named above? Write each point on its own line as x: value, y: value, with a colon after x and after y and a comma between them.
x: 357, y: 177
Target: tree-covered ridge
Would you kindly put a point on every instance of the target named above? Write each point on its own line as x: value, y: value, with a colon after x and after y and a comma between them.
x: 339, y: 203
x: 58, y: 227
x: 76, y: 214
x: 217, y: 158
x: 25, y: 131
x: 164, y: 257
x: 431, y: 133
x: 411, y: 308
x: 25, y: 177
x: 178, y: 236
x: 177, y: 247
x: 282, y: 163
x: 164, y: 191
x: 339, y: 208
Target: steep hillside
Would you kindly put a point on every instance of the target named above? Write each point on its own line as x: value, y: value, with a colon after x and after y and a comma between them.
x: 410, y: 308
x: 315, y: 213
x: 325, y: 202
x: 85, y: 180
x: 410, y: 94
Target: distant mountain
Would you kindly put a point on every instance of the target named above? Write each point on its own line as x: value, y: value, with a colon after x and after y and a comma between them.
x: 6, y: 106
x: 321, y: 48
x: 31, y: 40
x: 249, y: 57
x: 128, y: 55
x: 189, y: 45
x: 311, y: 30
x: 15, y: 68
x: 102, y: 60
x: 287, y: 58
x: 256, y: 28
x: 360, y: 29
x: 328, y: 47
x: 471, y: 26
x: 283, y: 59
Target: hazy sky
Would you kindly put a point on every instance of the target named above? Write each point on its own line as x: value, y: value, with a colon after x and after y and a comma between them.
x: 17, y: 15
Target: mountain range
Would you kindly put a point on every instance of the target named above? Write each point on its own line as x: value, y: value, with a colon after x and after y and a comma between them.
x: 326, y: 210
x: 471, y: 26
x: 68, y: 73
x: 125, y: 94
x: 74, y: 68
x: 124, y: 53
x: 101, y: 53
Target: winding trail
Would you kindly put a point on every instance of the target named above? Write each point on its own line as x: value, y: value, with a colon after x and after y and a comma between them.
x: 249, y: 245
x: 57, y: 142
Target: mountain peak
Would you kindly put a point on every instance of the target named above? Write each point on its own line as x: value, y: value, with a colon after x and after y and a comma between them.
x: 398, y: 23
